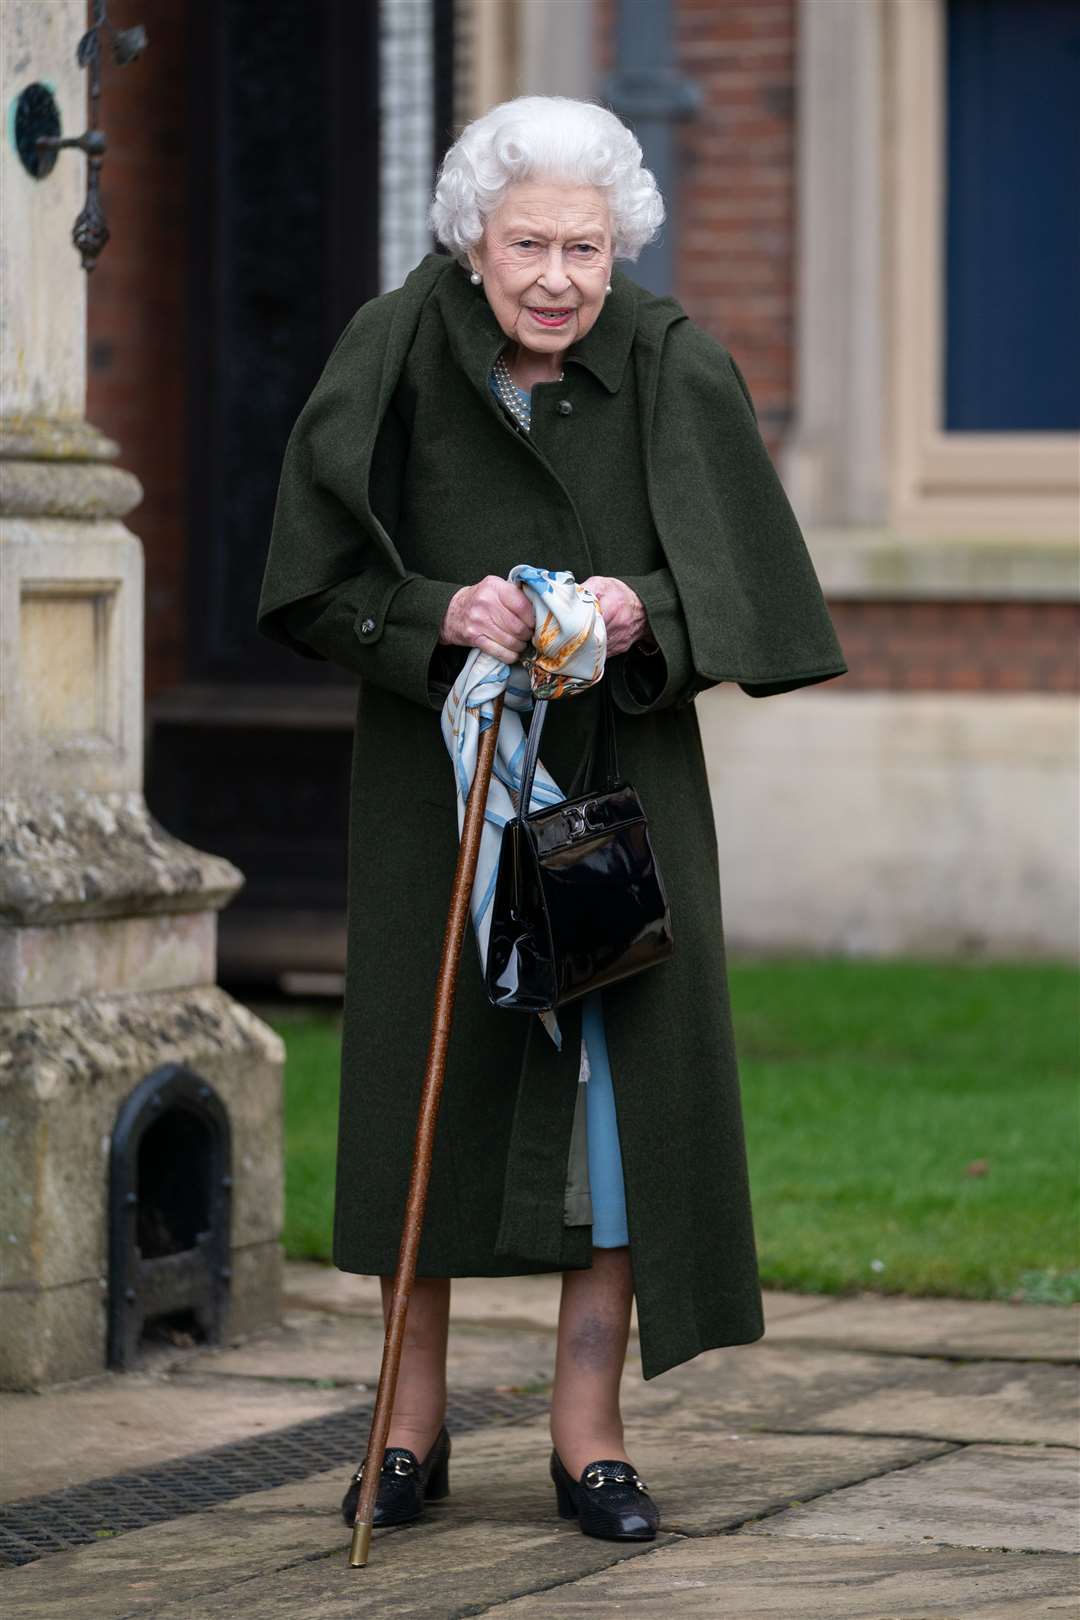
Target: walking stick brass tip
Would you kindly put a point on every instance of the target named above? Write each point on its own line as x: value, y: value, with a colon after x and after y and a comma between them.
x: 361, y: 1541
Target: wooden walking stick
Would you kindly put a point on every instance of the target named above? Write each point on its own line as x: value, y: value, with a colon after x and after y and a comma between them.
x: 427, y: 1118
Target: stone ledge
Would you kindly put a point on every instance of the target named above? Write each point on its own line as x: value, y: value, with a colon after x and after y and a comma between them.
x: 88, y: 489
x: 83, y: 855
x: 49, y: 438
x: 860, y: 563
x: 49, y: 1051
x: 66, y: 961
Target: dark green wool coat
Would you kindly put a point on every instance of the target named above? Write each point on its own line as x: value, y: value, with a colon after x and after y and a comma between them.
x: 404, y: 480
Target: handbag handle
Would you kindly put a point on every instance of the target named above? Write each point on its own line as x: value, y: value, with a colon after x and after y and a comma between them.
x: 532, y: 746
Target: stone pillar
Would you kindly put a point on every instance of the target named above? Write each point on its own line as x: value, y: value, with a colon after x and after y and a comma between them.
x: 833, y: 464
x: 107, y: 924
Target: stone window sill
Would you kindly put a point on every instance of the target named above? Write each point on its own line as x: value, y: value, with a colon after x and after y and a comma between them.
x: 860, y: 563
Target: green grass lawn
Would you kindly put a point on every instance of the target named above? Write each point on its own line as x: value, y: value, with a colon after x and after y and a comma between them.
x: 912, y: 1127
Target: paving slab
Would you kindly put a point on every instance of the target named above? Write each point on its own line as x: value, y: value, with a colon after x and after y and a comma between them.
x: 497, y: 1535
x: 501, y: 1476
x: 708, y: 1483
x: 526, y: 1300
x: 122, y: 1422
x: 779, y: 1304
x: 829, y: 1411
x: 1023, y: 1498
x: 743, y: 1384
x: 978, y: 1329
x: 183, y: 1559
x: 283, y: 1552
x: 766, y: 1385
x: 530, y: 1301
x: 804, y: 1580
x: 752, y: 1381
x: 347, y: 1349
x: 444, y: 1577
x: 1010, y: 1402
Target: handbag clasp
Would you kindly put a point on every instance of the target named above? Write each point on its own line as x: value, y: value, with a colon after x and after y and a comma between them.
x: 583, y: 818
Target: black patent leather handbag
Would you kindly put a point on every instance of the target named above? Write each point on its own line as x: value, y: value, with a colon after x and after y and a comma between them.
x: 579, y: 902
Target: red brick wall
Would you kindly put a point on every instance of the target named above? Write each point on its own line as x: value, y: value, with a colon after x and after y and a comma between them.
x: 603, y: 43
x: 736, y: 196
x: 959, y: 646
x: 736, y: 199
x: 137, y: 389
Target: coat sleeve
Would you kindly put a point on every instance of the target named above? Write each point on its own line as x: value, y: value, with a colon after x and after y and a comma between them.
x: 335, y: 586
x: 752, y: 608
x: 760, y: 689
x: 724, y: 432
x: 402, y: 651
x: 642, y: 681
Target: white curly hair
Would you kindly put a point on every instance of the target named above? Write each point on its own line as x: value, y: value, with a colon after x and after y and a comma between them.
x: 550, y: 138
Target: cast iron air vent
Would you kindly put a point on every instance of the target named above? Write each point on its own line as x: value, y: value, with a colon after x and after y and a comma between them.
x: 170, y: 1181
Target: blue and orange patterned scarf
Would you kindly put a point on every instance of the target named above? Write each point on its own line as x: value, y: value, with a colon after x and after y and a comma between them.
x: 567, y: 656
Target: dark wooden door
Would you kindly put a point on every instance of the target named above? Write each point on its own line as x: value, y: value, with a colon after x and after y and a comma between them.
x: 250, y: 756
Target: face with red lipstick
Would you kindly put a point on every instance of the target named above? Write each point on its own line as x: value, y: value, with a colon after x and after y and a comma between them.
x: 545, y: 257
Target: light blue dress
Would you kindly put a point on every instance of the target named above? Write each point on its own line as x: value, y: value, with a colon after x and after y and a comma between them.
x: 602, y: 1133
x: 606, y: 1189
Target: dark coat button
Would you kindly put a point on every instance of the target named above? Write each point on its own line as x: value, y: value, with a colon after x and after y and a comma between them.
x: 564, y: 407
x: 367, y: 627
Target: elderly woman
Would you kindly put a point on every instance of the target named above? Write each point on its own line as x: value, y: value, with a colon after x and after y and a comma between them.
x: 519, y: 399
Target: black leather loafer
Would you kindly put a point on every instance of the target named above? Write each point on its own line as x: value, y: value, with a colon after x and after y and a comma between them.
x: 609, y: 1500
x: 405, y: 1484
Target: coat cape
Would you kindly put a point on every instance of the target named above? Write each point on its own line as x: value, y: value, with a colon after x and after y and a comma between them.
x: 402, y: 481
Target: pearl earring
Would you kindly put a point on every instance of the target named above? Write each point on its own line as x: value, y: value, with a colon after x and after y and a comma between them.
x: 607, y: 289
x: 476, y: 278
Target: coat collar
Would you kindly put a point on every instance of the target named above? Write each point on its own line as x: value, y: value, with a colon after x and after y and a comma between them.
x: 476, y: 337
x: 605, y: 348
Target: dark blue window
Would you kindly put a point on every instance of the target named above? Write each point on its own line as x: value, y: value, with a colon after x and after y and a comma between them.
x: 1012, y: 296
